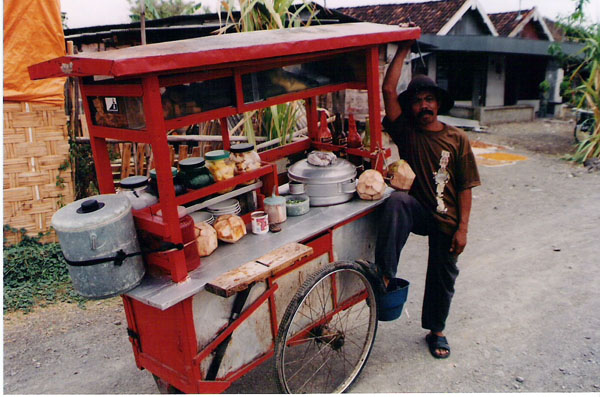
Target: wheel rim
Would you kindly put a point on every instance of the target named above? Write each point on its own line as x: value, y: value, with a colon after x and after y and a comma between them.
x: 330, y: 335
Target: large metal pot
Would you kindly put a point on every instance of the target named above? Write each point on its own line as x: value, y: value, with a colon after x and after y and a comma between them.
x: 325, y: 185
x: 91, y: 231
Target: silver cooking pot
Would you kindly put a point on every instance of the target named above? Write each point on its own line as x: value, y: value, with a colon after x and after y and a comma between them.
x: 325, y: 185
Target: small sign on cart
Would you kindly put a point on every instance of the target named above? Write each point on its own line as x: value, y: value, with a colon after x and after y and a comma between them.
x: 111, y: 104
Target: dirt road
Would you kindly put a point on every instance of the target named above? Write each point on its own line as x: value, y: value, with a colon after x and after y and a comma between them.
x: 526, y: 314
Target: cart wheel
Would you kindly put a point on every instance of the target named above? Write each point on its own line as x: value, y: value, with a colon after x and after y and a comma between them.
x: 164, y: 387
x: 327, y: 331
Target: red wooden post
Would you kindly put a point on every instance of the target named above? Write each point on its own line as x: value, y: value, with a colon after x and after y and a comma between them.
x: 99, y: 149
x: 225, y: 133
x: 155, y: 125
x: 374, y: 98
x: 312, y: 117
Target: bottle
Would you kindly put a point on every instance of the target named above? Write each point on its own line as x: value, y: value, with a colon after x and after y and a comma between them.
x: 366, y: 141
x: 339, y: 135
x: 324, y: 135
x: 354, y: 139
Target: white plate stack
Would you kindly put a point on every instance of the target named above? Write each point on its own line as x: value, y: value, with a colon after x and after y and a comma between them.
x: 203, y: 216
x: 231, y: 206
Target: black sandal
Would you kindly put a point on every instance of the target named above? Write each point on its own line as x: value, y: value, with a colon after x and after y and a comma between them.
x: 436, y: 342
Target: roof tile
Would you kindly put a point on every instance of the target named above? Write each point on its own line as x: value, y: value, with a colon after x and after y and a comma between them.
x: 430, y: 16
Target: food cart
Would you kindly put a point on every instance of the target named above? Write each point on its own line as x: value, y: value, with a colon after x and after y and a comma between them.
x: 297, y: 295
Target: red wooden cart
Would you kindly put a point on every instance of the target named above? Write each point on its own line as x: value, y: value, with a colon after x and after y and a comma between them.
x: 297, y: 295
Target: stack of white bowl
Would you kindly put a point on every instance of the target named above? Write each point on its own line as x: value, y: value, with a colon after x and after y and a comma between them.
x: 231, y: 206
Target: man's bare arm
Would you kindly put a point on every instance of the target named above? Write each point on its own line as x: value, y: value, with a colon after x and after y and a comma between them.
x: 390, y: 82
x: 459, y: 241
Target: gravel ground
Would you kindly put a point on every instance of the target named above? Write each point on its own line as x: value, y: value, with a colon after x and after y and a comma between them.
x: 525, y: 316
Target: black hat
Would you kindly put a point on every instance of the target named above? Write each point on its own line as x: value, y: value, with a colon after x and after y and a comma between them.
x: 420, y: 83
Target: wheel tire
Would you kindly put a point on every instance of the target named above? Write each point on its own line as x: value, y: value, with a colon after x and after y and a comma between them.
x: 322, y: 347
x: 584, y: 130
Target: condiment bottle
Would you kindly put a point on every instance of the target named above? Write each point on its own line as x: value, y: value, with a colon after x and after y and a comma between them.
x: 324, y: 135
x: 339, y: 136
x: 354, y: 139
x: 366, y: 141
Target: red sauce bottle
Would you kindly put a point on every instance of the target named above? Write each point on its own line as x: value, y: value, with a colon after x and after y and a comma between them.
x: 354, y: 139
x: 324, y: 135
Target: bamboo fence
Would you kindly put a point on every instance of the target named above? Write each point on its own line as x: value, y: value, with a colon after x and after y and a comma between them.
x: 35, y: 150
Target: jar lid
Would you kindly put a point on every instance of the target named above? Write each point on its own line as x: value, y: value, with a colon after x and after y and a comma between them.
x: 274, y: 200
x: 153, y: 172
x: 191, y: 163
x: 242, y: 148
x: 217, y: 155
x: 134, y: 181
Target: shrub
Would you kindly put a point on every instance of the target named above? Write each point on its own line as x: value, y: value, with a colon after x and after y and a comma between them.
x: 35, y: 274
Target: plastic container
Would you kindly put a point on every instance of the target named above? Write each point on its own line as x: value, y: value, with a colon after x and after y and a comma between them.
x: 136, y: 189
x: 193, y: 173
x: 390, y: 305
x: 221, y: 167
x: 245, y: 159
x: 179, y: 187
x: 275, y: 209
x: 297, y: 204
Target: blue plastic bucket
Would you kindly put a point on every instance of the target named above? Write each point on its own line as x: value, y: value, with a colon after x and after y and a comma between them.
x: 391, y: 303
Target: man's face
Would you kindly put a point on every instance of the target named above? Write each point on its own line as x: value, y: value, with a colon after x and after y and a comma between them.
x: 425, y: 106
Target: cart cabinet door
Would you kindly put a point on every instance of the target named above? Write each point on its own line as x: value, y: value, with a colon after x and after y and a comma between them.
x: 356, y: 239
x: 249, y: 341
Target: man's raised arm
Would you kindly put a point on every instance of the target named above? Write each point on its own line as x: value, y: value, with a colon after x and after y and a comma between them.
x: 390, y: 82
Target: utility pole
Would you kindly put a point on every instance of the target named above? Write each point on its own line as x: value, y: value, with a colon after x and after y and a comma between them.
x: 143, y: 21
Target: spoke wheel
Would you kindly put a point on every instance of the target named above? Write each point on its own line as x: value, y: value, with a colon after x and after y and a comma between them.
x: 327, y: 331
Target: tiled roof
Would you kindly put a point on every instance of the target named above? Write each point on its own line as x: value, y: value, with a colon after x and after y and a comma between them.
x: 430, y: 16
x: 557, y: 32
x: 506, y: 22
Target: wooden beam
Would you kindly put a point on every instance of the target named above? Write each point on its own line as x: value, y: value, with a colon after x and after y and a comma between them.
x: 259, y: 269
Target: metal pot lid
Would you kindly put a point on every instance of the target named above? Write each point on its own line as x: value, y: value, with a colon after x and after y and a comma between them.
x: 340, y: 171
x: 91, y: 212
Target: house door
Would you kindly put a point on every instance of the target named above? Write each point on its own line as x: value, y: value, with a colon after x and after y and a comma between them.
x: 479, y: 87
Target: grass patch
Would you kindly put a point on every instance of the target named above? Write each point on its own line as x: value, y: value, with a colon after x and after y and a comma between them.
x: 36, y: 274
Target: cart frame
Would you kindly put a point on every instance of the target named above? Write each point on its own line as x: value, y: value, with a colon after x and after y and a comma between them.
x: 164, y: 315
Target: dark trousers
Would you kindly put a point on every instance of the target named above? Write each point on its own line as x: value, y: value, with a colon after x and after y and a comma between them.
x: 401, y: 215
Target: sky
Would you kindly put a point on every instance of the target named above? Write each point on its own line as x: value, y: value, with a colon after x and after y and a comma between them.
x: 82, y: 13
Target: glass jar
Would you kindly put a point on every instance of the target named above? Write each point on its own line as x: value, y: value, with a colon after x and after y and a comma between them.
x: 245, y: 159
x: 193, y: 173
x: 179, y: 187
x: 220, y: 166
x: 136, y: 189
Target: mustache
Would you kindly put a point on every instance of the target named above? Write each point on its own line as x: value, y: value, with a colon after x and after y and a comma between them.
x: 424, y: 112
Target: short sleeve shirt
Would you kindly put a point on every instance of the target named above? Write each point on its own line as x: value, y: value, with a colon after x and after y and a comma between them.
x: 443, y: 163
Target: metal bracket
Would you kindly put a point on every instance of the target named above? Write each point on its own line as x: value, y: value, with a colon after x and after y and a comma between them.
x: 134, y: 335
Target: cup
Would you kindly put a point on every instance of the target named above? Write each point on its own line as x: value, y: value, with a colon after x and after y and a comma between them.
x: 260, y: 222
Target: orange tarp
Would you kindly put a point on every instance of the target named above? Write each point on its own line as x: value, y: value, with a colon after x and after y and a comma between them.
x: 32, y: 33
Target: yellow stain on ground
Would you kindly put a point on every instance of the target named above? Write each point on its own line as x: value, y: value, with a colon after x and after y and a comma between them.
x: 488, y: 155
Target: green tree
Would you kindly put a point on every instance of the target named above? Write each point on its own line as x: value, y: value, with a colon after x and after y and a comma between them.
x: 584, y: 74
x: 157, y: 9
x: 278, y: 121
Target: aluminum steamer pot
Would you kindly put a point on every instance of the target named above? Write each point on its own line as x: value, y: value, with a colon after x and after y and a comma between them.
x: 95, y: 228
x: 328, y: 185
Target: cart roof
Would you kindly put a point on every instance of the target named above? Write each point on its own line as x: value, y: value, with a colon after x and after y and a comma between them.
x: 219, y: 49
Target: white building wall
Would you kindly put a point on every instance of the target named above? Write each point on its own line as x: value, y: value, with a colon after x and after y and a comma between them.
x: 496, y: 76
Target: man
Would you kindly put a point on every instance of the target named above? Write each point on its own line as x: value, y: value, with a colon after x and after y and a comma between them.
x: 439, y: 202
